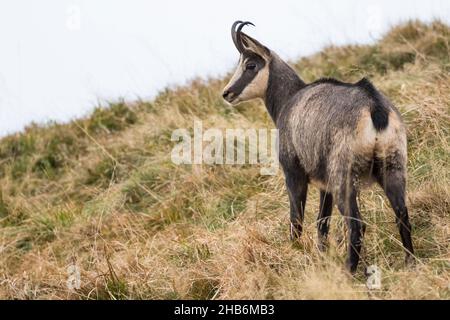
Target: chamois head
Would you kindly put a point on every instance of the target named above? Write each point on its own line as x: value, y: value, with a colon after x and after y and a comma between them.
x: 252, y: 74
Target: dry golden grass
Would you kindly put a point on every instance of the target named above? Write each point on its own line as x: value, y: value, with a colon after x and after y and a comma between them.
x: 101, y: 193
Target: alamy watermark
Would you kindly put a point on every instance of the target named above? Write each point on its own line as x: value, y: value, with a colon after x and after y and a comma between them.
x: 229, y: 147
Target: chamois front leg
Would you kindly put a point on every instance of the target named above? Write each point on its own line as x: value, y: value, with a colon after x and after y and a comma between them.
x: 297, y: 187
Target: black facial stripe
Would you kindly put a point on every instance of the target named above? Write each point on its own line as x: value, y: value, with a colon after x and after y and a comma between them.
x: 247, y: 75
x: 242, y: 82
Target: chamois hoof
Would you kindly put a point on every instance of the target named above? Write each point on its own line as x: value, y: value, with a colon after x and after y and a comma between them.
x: 295, y: 232
x: 351, y: 267
x: 322, y: 244
x: 410, y: 261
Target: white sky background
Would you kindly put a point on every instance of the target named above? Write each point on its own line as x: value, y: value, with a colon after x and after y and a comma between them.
x: 58, y: 58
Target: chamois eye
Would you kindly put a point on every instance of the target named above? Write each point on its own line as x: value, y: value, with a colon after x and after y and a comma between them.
x: 250, y: 66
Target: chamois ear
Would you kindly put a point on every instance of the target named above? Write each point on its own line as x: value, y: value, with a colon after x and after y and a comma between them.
x: 255, y: 46
x: 244, y: 42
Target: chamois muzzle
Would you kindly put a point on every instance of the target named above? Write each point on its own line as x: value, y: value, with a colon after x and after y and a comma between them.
x: 227, y: 95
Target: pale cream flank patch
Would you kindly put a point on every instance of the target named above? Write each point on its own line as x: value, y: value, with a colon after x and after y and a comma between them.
x: 365, y: 135
x: 383, y: 143
x: 392, y: 139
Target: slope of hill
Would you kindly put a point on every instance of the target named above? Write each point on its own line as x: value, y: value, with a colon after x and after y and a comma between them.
x: 100, y: 196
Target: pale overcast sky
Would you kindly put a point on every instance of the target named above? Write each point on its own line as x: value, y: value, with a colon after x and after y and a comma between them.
x: 59, y: 57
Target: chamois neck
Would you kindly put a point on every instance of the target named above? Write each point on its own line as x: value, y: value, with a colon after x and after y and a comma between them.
x: 282, y: 85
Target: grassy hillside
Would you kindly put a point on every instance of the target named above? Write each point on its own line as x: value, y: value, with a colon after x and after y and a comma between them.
x: 101, y: 193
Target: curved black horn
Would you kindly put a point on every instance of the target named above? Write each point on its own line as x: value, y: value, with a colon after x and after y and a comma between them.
x: 233, y: 33
x: 237, y: 34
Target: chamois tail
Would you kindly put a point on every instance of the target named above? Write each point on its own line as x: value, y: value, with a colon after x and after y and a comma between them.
x: 379, y: 111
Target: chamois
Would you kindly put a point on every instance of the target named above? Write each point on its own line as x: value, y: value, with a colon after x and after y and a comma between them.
x: 334, y: 135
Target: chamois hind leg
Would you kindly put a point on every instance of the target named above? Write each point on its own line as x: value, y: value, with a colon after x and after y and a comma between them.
x: 393, y: 183
x: 348, y: 207
x: 323, y: 218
